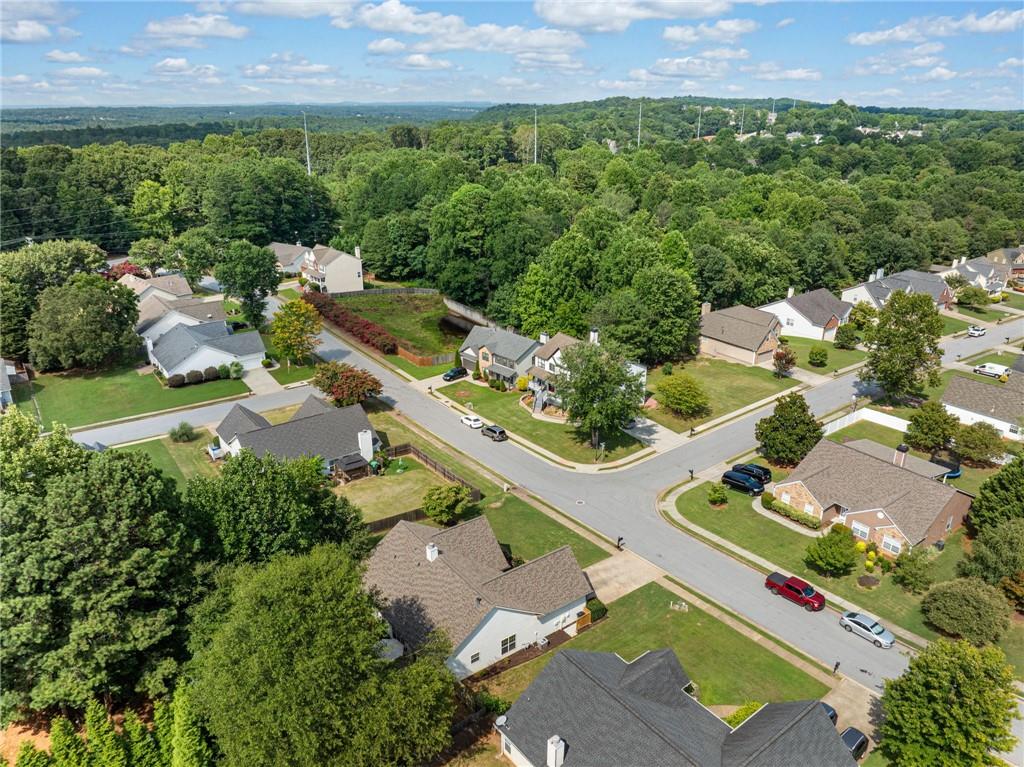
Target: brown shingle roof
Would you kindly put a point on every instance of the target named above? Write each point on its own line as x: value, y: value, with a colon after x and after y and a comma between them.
x: 1003, y: 402
x: 469, y: 577
x: 557, y: 341
x: 841, y: 475
x: 739, y: 326
x: 174, y: 284
x: 910, y: 462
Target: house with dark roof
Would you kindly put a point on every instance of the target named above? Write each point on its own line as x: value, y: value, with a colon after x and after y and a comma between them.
x: 341, y: 437
x: 878, y: 288
x: 547, y: 363
x: 457, y: 580
x: 1012, y: 257
x: 157, y: 315
x: 1001, y: 405
x: 815, y: 314
x: 501, y: 354
x: 739, y: 334
x: 332, y: 271
x: 206, y: 344
x: 289, y: 257
x: 978, y: 272
x: 594, y: 709
x: 168, y: 286
x: 878, y: 492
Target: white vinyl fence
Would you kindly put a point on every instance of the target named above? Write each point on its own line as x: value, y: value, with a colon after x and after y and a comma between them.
x: 866, y: 414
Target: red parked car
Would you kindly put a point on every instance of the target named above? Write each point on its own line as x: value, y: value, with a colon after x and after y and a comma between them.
x: 795, y: 590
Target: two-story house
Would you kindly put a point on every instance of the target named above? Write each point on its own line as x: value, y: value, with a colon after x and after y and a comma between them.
x: 979, y: 273
x: 547, y: 363
x: 501, y: 354
x: 332, y: 271
x: 878, y: 288
x: 289, y: 257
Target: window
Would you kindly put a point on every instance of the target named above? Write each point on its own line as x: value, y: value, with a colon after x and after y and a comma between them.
x: 474, y: 658
x: 485, y: 356
x: 1014, y: 429
x: 860, y: 530
x: 508, y: 746
x: 892, y: 545
x: 789, y: 322
x: 785, y: 497
x: 508, y: 644
x: 359, y: 274
x: 808, y: 508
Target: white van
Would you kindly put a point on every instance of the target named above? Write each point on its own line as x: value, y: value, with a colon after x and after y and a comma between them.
x: 992, y: 369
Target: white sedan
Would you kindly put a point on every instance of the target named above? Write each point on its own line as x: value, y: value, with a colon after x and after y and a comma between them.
x: 975, y: 332
x: 472, y: 421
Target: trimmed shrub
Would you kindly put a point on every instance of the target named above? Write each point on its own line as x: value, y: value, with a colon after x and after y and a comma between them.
x: 800, y: 517
x: 267, y: 363
x: 886, y: 564
x: 862, y: 546
x: 597, y: 609
x: 768, y: 501
x: 522, y: 383
x: 913, y: 571
x: 370, y: 333
x: 236, y: 370
x: 224, y: 370
x: 968, y: 608
x: 743, y: 713
x: 211, y: 374
x: 683, y: 394
x: 492, y: 704
x: 176, y: 381
x: 834, y: 553
x: 869, y: 565
x: 818, y: 356
x: 846, y: 337
x: 194, y: 377
x: 717, y: 496
x: 183, y: 432
x: 666, y: 369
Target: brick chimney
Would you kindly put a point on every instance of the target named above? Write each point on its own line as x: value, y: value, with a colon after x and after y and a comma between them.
x: 899, y: 456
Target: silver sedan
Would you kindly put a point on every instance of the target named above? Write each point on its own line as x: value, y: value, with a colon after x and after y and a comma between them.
x: 865, y: 626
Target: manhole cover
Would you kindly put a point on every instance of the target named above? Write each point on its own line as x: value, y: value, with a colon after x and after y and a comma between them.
x: 580, y: 501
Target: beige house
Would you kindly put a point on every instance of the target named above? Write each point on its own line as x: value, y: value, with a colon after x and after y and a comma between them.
x: 883, y: 495
x: 169, y: 287
x: 333, y: 271
x: 739, y: 333
x: 501, y: 354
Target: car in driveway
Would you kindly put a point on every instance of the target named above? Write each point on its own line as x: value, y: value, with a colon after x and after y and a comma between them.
x: 494, y: 432
x: 869, y: 628
x: 975, y: 331
x: 856, y: 741
x: 472, y: 421
x: 992, y: 369
x: 761, y: 473
x: 743, y: 482
x: 455, y: 374
x: 795, y: 590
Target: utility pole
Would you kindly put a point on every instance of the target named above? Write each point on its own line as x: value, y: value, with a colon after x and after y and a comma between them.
x: 699, y: 112
x: 534, y: 136
x: 305, y: 133
x: 742, y: 115
x: 639, y: 122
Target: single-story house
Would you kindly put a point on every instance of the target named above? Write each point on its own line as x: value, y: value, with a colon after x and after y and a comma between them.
x: 157, y: 315
x: 332, y: 271
x: 501, y: 354
x: 1001, y: 405
x: 593, y: 709
x: 170, y: 287
x: 892, y: 501
x: 289, y: 257
x: 197, y: 347
x: 739, y: 333
x: 341, y: 437
x: 979, y: 273
x: 877, y: 289
x: 458, y: 580
x: 815, y: 314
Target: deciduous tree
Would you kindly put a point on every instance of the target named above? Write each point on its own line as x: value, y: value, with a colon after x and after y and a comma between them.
x: 979, y: 442
x: 346, y: 384
x: 789, y: 433
x: 684, y: 395
x: 249, y: 273
x: 783, y: 360
x: 294, y: 330
x: 903, y: 346
x: 1000, y: 497
x: 834, y: 553
x: 931, y: 427
x: 446, y: 503
x: 997, y: 557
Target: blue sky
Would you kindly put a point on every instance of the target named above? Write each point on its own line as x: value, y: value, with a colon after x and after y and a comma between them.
x: 947, y: 54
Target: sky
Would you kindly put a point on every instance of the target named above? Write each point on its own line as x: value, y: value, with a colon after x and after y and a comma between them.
x: 936, y: 54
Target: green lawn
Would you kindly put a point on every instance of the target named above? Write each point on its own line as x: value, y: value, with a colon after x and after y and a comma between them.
x: 289, y: 294
x: 415, y: 320
x: 285, y: 374
x: 398, y: 490
x: 728, y: 667
x: 932, y: 392
x: 729, y: 386
x: 875, y: 759
x: 837, y: 358
x: 180, y: 460
x: 1014, y: 299
x: 416, y: 371
x: 990, y: 313
x: 951, y: 325
x: 77, y: 399
x: 1000, y: 358
x: 561, y: 439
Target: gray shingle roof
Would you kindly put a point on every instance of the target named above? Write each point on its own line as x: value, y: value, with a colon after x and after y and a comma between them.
x: 286, y: 253
x: 910, y: 462
x: 182, y: 341
x: 819, y: 306
x: 153, y: 307
x: 1018, y: 363
x: 839, y: 474
x: 325, y: 254
x: 504, y: 343
x: 469, y: 577
x: 328, y: 432
x: 1003, y: 402
x: 611, y: 713
x: 740, y: 326
x: 239, y: 420
x: 917, y: 282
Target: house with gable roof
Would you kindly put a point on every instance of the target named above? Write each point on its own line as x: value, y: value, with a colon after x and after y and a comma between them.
x: 1001, y: 405
x: 979, y: 272
x: 169, y: 287
x: 289, y: 257
x: 815, y: 314
x: 501, y: 354
x: 878, y: 288
x: 739, y: 334
x: 332, y: 271
x: 457, y: 580
x: 158, y: 315
x: 206, y: 344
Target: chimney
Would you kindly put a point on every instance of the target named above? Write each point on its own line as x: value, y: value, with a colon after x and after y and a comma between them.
x: 790, y: 292
x: 544, y: 337
x: 594, y: 339
x: 900, y: 456
x: 431, y: 551
x: 871, y: 277
x: 359, y: 253
x: 705, y: 308
x: 556, y: 751
x: 366, y: 444
x: 880, y: 273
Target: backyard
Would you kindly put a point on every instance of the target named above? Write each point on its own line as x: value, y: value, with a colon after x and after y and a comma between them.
x: 180, y: 460
x: 729, y: 386
x: 837, y: 358
x: 564, y: 440
x: 419, y: 372
x: 710, y: 651
x: 81, y: 398
x: 398, y: 490
x: 416, y: 320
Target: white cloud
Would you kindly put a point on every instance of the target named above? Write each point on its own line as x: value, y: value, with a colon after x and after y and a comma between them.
x: 935, y: 74
x: 423, y: 61
x: 1011, y: 63
x: 783, y: 23
x: 85, y: 73
x: 245, y: 88
x: 689, y: 66
x: 385, y: 45
x: 894, y: 61
x: 772, y: 71
x: 15, y: 80
x: 722, y: 31
x: 623, y: 85
x: 920, y: 28
x: 182, y: 68
x: 733, y: 88
x: 30, y: 21
x: 518, y: 84
x: 65, y: 57
x: 555, y: 61
x: 288, y: 69
x: 189, y: 31
x: 24, y: 31
x: 726, y: 53
x: 617, y: 15
x: 295, y: 9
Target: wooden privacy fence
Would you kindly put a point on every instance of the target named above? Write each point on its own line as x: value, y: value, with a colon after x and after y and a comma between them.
x: 386, y: 292
x: 380, y: 525
x: 422, y: 361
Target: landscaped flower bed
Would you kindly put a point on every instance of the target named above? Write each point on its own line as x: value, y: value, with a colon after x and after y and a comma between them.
x: 370, y: 333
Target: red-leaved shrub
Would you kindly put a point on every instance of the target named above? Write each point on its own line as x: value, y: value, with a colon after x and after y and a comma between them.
x: 370, y: 333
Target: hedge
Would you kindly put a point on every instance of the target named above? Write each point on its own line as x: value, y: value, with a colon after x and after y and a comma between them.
x: 211, y: 374
x: 370, y: 333
x: 176, y: 380
x: 771, y: 503
x: 194, y: 376
x: 597, y: 609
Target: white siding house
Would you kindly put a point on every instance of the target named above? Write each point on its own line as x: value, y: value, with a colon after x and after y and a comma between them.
x: 209, y: 344
x: 333, y: 271
x: 815, y: 314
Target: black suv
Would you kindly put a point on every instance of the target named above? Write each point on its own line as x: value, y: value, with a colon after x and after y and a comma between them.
x: 454, y: 374
x: 743, y: 482
x: 495, y: 432
x: 761, y: 473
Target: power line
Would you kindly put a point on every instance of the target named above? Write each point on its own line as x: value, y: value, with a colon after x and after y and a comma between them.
x: 57, y: 202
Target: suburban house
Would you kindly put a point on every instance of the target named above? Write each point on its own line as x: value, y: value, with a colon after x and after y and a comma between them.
x: 547, y: 363
x: 158, y: 315
x: 894, y: 501
x: 1000, y: 405
x: 501, y: 354
x: 979, y: 273
x: 207, y: 344
x: 593, y: 709
x: 1012, y: 257
x: 739, y: 333
x: 289, y: 257
x: 170, y: 287
x: 333, y: 271
x: 815, y: 314
x: 9, y: 376
x: 458, y: 580
x: 878, y: 288
x: 341, y: 437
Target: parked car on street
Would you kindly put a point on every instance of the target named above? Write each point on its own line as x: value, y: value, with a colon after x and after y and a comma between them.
x: 856, y: 741
x: 795, y: 590
x: 868, y: 628
x: 743, y: 482
x: 761, y: 473
x: 472, y: 421
x: 495, y: 432
x: 992, y: 369
x: 830, y: 713
x: 976, y: 332
x: 455, y: 374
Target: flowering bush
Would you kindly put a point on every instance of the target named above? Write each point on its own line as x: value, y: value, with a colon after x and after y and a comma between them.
x: 370, y: 333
